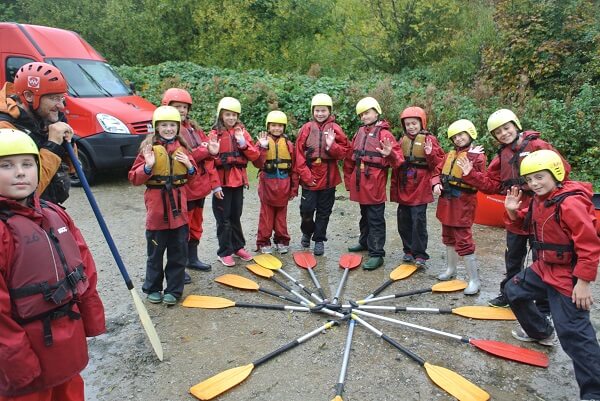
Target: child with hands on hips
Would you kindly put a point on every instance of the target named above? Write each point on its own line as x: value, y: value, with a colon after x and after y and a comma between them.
x: 566, y: 252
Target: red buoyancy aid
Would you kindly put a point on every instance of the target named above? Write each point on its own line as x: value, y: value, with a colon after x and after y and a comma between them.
x: 365, y: 154
x: 229, y: 153
x: 44, y: 294
x: 315, y: 142
x: 511, y: 156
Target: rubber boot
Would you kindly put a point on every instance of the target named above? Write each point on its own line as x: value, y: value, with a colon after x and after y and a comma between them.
x: 193, y: 262
x: 451, y: 262
x: 472, y: 270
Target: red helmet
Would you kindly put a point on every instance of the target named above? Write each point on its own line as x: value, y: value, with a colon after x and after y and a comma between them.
x: 176, y: 95
x: 415, y: 112
x: 40, y: 79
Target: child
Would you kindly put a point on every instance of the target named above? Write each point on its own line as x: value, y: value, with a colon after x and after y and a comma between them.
x: 503, y: 173
x: 566, y: 252
x: 320, y: 144
x: 374, y: 150
x: 48, y: 298
x: 277, y: 184
x: 236, y: 149
x: 202, y: 150
x: 411, y: 184
x: 457, y: 203
x: 164, y: 166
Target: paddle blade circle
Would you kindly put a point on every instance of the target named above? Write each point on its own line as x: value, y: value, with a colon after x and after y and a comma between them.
x: 219, y: 383
x: 403, y: 271
x: 455, y: 384
x: 350, y: 261
x: 260, y: 271
x: 233, y: 280
x: 449, y: 286
x: 206, y: 302
x: 305, y: 260
x: 512, y: 352
x: 485, y: 313
x: 268, y: 261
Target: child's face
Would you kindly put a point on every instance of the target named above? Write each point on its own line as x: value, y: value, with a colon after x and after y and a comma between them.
x: 276, y: 129
x: 183, y: 109
x: 229, y: 118
x: 461, y: 140
x: 18, y: 177
x: 506, y: 134
x: 412, y: 125
x: 321, y: 113
x: 167, y: 129
x: 541, y: 182
x: 369, y: 116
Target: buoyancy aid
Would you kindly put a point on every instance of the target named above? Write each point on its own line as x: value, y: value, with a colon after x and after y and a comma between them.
x: 167, y: 170
x: 316, y: 147
x: 451, y: 175
x: 229, y: 152
x: 414, y: 150
x: 365, y: 154
x: 510, y: 159
x: 278, y: 156
x: 47, y: 273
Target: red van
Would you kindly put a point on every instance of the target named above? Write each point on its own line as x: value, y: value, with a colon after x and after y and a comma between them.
x: 109, y: 120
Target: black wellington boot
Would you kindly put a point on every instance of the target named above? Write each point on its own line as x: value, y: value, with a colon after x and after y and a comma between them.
x: 193, y: 261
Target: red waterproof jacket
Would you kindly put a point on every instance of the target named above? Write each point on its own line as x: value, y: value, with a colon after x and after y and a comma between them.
x: 159, y: 203
x: 365, y: 169
x: 315, y: 163
x: 26, y: 364
x: 411, y: 184
x: 503, y: 172
x: 570, y: 223
x: 232, y: 160
x: 207, y: 178
x: 272, y: 190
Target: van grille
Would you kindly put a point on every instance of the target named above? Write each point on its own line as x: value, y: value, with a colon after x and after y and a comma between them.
x: 142, y: 127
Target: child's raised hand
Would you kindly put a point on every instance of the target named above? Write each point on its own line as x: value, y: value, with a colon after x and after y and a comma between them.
x: 329, y: 137
x: 263, y: 139
x: 213, y: 145
x: 513, y: 199
x: 465, y: 165
x: 428, y: 147
x: 476, y: 149
x: 149, y: 156
x: 386, y: 147
x: 239, y: 134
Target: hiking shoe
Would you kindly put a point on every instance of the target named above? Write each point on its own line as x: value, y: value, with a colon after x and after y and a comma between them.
x: 187, y: 279
x: 357, y: 248
x: 227, y: 260
x: 155, y: 297
x: 319, y: 248
x: 266, y: 249
x: 499, y: 302
x: 421, y: 263
x: 169, y: 299
x: 408, y: 258
x: 282, y: 249
x: 243, y: 254
x: 199, y: 265
x: 519, y: 334
x: 305, y: 241
x: 373, y: 263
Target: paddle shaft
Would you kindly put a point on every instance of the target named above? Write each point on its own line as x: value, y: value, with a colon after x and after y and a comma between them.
x: 402, y: 309
x: 339, y: 388
x: 306, y: 290
x: 314, y: 279
x: 278, y: 295
x: 286, y: 287
x: 370, y: 298
x: 273, y: 307
x: 340, y: 286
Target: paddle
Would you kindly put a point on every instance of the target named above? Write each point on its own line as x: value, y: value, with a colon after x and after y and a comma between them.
x: 401, y: 272
x: 445, y: 286
x: 306, y: 260
x: 339, y: 388
x: 348, y: 261
x: 207, y: 302
x: 266, y: 273
x: 448, y: 380
x: 218, y: 384
x: 496, y: 348
x: 137, y: 301
x: 473, y: 312
x: 233, y: 280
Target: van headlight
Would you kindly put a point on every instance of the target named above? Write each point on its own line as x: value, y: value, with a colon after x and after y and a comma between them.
x: 112, y: 124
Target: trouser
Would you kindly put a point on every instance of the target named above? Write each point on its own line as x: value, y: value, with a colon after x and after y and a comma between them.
x: 272, y: 219
x: 575, y: 332
x: 228, y: 212
x: 174, y: 241
x: 315, y: 209
x: 412, y: 227
x: 460, y: 238
x: 372, y: 229
x: 195, y: 215
x: 71, y: 390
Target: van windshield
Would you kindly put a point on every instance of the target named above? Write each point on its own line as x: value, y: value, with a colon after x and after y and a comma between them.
x: 90, y: 78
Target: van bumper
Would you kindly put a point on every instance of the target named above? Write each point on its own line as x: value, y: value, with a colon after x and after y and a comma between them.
x: 108, y: 150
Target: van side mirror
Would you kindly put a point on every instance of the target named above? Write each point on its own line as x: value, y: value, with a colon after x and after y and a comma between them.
x: 132, y: 87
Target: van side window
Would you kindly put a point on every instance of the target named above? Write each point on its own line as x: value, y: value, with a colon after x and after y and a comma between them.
x: 13, y: 64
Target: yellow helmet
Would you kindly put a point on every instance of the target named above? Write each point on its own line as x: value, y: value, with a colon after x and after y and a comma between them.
x: 543, y: 159
x: 501, y: 117
x: 462, y: 126
x: 367, y: 103
x: 165, y: 113
x: 15, y: 142
x: 276, y: 116
x: 321, y: 99
x: 229, y: 103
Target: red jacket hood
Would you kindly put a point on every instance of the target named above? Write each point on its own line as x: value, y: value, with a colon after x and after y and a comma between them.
x: 568, y: 186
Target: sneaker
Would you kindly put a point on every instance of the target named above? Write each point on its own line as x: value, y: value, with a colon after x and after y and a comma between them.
x: 319, y: 248
x: 243, y: 254
x: 421, y: 263
x: 266, y: 249
x: 305, y: 241
x: 169, y: 299
x: 373, y: 263
x: 408, y: 258
x: 520, y: 335
x: 187, y: 279
x: 282, y: 249
x: 155, y: 298
x: 357, y: 248
x: 499, y: 302
x: 227, y: 260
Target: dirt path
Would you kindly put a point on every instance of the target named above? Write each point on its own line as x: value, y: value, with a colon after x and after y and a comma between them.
x: 200, y: 343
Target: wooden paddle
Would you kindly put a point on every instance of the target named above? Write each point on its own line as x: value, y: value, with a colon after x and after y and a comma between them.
x: 348, y: 261
x: 339, y: 388
x: 448, y: 380
x: 401, y: 272
x: 235, y: 281
x: 496, y: 348
x: 218, y: 384
x: 208, y: 302
x: 445, y: 286
x: 307, y: 261
x: 472, y: 312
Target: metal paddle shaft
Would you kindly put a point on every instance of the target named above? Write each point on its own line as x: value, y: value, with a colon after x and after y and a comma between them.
x: 141, y: 309
x: 339, y: 388
x: 299, y: 284
x: 313, y: 277
x: 340, y: 286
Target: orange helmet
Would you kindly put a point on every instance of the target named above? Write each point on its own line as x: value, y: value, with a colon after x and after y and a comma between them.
x: 40, y: 79
x: 176, y: 95
x: 414, y: 112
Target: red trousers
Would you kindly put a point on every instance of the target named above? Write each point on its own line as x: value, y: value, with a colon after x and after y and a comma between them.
x: 272, y: 219
x: 461, y: 238
x: 195, y: 223
x: 72, y: 390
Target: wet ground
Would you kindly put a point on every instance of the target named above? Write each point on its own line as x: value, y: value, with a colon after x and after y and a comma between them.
x: 200, y: 343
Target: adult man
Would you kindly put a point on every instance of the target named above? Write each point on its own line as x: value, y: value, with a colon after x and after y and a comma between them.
x: 34, y: 104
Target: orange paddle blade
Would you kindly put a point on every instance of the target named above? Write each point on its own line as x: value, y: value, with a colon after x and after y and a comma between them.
x: 305, y: 260
x: 233, y: 280
x: 206, y: 302
x: 485, y: 313
x: 218, y: 384
x: 449, y: 286
x: 350, y: 260
x: 455, y: 384
x: 512, y: 352
x: 403, y: 271
x: 260, y: 271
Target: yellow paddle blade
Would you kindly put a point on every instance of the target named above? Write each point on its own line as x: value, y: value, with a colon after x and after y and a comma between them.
x: 213, y: 386
x: 337, y: 398
x: 260, y: 271
x: 233, y: 280
x: 449, y: 286
x: 268, y: 261
x: 455, y: 384
x: 402, y: 271
x: 485, y: 313
x: 206, y: 302
x: 147, y: 324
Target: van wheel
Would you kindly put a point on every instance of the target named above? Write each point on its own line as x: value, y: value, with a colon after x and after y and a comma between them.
x: 88, y: 170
